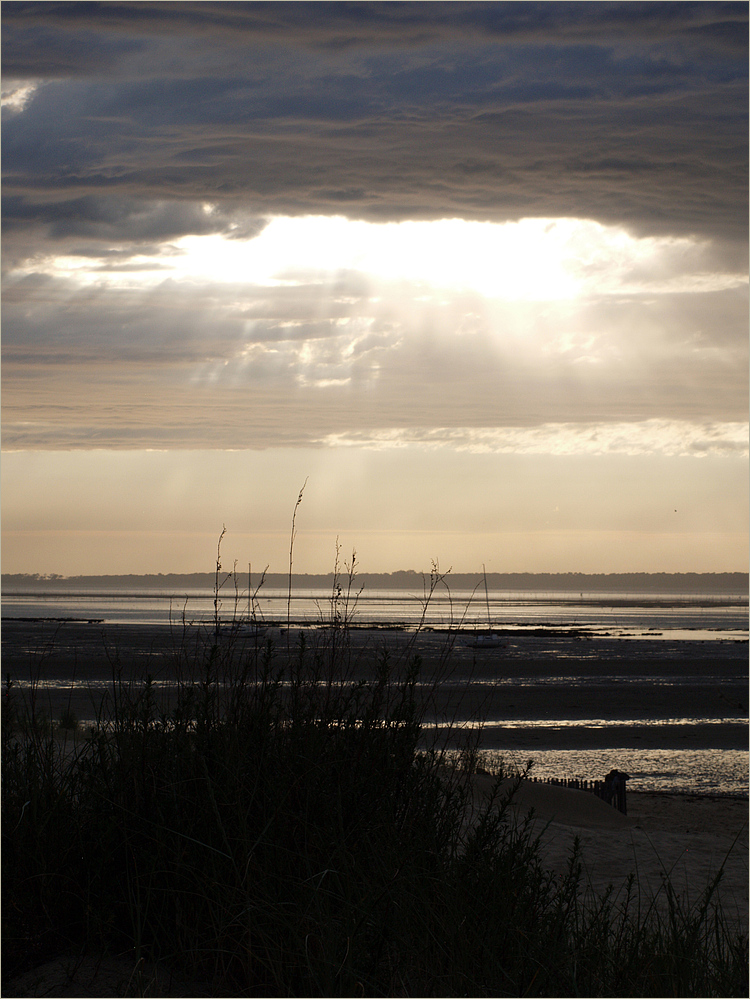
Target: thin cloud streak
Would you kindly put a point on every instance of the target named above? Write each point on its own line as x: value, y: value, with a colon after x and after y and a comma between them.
x: 672, y: 439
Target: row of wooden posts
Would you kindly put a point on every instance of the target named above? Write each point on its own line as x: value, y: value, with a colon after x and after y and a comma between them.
x: 613, y: 792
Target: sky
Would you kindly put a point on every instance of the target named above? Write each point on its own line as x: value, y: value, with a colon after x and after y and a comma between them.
x: 473, y: 274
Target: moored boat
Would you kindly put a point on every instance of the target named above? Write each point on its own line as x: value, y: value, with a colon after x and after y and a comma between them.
x: 486, y: 640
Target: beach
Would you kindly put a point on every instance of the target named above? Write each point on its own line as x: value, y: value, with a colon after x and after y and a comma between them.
x: 544, y: 689
x: 537, y: 694
x: 687, y: 838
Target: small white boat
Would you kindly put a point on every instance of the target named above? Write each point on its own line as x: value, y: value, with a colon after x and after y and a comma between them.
x: 486, y: 640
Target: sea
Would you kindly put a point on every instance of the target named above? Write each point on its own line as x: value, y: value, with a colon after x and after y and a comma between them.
x: 677, y: 619
x: 651, y: 615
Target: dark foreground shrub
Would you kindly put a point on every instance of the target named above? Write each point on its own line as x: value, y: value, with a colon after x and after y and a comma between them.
x: 280, y: 829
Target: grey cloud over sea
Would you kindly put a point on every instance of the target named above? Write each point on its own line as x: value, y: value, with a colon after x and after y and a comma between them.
x: 130, y: 126
x: 334, y: 26
x: 630, y: 114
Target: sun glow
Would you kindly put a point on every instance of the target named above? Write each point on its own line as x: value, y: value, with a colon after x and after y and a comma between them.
x: 532, y: 260
x: 508, y: 261
x: 16, y: 94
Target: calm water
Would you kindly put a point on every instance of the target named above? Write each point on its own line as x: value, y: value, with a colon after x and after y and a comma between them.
x: 684, y: 771
x: 621, y: 614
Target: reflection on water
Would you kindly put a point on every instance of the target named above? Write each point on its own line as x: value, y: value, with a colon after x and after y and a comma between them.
x: 551, y: 660
x: 686, y: 771
x: 617, y: 614
x: 589, y: 680
x: 606, y: 722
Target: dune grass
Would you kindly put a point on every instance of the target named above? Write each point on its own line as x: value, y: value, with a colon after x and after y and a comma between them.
x: 279, y: 828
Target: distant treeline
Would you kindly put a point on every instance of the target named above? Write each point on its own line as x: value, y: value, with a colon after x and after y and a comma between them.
x: 409, y: 579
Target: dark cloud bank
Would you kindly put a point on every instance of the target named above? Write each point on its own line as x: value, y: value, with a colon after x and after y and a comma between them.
x: 627, y: 113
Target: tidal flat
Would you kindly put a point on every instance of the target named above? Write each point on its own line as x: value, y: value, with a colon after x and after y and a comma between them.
x: 542, y: 690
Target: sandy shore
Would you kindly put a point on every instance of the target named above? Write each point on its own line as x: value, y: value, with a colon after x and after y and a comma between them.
x: 552, y: 676
x: 686, y: 838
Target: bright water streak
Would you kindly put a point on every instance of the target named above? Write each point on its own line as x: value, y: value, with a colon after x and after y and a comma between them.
x: 620, y: 614
x: 684, y: 771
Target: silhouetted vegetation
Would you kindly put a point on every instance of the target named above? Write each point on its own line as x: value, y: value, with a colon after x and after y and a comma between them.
x: 282, y: 828
x: 285, y: 835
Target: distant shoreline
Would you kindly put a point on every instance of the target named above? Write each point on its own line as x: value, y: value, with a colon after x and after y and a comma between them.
x: 632, y: 582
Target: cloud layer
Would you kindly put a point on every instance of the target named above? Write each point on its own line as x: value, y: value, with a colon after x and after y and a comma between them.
x: 151, y: 151
x: 632, y: 114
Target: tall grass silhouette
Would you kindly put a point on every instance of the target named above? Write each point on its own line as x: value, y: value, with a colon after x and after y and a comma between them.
x: 288, y: 824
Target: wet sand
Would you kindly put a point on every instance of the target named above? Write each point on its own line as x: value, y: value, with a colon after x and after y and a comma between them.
x: 549, y: 676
